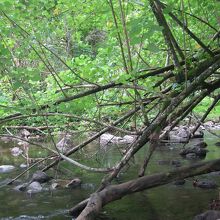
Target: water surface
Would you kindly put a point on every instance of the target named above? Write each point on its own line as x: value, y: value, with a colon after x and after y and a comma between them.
x: 168, y: 202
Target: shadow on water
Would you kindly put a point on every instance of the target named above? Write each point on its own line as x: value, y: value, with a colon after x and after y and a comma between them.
x: 168, y: 202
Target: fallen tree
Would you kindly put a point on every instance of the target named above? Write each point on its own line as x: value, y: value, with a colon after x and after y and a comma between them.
x: 94, y: 204
x: 175, y: 90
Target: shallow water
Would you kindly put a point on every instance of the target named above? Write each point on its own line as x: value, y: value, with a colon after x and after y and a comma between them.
x: 168, y: 202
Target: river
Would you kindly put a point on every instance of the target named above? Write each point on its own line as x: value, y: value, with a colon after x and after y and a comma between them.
x: 168, y: 202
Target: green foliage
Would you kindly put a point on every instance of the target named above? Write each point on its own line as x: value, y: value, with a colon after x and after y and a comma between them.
x: 49, y: 45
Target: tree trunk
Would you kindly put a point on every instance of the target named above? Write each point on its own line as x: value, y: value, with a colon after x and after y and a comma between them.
x: 115, y: 192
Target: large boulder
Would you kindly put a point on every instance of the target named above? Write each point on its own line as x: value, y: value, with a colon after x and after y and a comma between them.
x: 208, y: 215
x: 180, y: 135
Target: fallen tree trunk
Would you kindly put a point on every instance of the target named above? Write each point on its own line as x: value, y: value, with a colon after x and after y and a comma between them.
x: 111, y: 193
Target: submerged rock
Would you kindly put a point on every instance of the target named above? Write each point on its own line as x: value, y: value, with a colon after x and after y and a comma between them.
x: 205, y: 184
x: 21, y: 187
x: 217, y: 144
x: 199, y: 152
x: 6, y: 168
x: 201, y: 144
x: 179, y: 182
x: 208, y: 215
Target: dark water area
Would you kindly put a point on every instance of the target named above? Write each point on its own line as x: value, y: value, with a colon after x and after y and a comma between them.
x: 168, y: 202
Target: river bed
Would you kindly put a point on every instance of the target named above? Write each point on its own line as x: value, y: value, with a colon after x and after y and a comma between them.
x: 168, y: 202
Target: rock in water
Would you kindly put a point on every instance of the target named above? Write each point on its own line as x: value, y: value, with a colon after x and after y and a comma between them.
x: 205, y: 184
x: 181, y: 135
x: 40, y: 177
x: 200, y: 152
x: 208, y: 215
x: 217, y: 144
x: 201, y: 144
x: 74, y: 183
x: 34, y: 187
x: 21, y: 187
x: 6, y: 168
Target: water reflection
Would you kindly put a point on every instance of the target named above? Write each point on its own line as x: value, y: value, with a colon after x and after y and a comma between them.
x: 167, y: 202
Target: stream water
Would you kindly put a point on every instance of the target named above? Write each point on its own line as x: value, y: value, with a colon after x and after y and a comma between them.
x: 168, y: 202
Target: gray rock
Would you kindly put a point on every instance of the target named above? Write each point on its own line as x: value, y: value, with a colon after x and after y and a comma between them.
x: 201, y: 144
x: 7, y: 139
x: 54, y: 186
x: 205, y: 184
x: 128, y: 139
x: 191, y: 156
x: 65, y: 143
x: 112, y: 139
x: 16, y: 151
x: 66, y: 183
x: 208, y: 215
x: 181, y: 135
x: 21, y: 187
x: 40, y: 177
x: 209, y: 124
x: 23, y: 165
x: 6, y: 168
x: 109, y: 139
x: 25, y: 133
x: 198, y: 134
x: 200, y: 152
x: 34, y: 187
x: 74, y: 183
